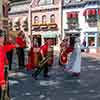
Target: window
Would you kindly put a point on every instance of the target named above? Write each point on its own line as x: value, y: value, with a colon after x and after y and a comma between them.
x: 9, y: 24
x: 46, y: 2
x: 44, y: 19
x: 52, y: 18
x: 36, y: 20
x: 91, y: 41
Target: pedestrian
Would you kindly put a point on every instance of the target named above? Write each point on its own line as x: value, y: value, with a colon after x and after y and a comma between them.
x: 69, y: 51
x: 44, y: 53
x: 74, y: 64
x: 10, y: 53
x: 65, y: 50
x: 33, y: 55
x: 20, y: 40
x: 83, y: 45
x: 3, y: 59
x: 76, y: 68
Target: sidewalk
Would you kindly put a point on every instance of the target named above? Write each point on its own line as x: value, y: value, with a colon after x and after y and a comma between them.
x: 92, y: 55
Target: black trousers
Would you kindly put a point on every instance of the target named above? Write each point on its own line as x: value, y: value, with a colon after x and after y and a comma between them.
x: 21, y: 57
x: 9, y: 57
x: 0, y: 92
x: 45, y: 72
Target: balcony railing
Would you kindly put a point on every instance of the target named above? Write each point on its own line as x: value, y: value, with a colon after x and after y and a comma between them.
x: 52, y: 26
x: 35, y: 26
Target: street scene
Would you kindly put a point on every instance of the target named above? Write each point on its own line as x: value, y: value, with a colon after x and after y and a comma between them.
x: 49, y: 49
x: 60, y: 85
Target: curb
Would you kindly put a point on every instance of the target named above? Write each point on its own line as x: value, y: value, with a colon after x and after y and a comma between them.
x: 92, y: 55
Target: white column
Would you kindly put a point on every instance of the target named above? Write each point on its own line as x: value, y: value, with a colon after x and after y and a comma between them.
x: 29, y: 21
x: 60, y: 18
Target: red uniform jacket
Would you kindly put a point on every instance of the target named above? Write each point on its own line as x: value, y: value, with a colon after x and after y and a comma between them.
x: 3, y: 60
x: 44, y: 49
x: 64, y: 55
x: 20, y: 41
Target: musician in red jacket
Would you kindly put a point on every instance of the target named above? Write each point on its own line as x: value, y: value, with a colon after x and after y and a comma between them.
x: 3, y: 59
x: 20, y: 50
x: 44, y: 53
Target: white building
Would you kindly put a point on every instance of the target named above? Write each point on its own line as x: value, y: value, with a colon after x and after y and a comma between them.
x: 81, y: 16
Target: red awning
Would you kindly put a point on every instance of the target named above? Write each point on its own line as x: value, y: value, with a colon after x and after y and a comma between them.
x: 89, y: 11
x: 69, y: 15
x: 74, y: 14
x: 93, y: 11
x: 98, y: 11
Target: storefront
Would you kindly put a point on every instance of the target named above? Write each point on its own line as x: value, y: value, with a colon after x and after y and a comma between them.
x: 52, y: 36
x: 91, y: 39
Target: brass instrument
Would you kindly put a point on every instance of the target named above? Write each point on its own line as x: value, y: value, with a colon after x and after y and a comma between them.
x: 44, y: 60
x: 40, y: 66
x: 5, y: 91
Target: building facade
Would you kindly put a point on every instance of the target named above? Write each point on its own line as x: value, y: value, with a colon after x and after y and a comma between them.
x: 45, y: 19
x: 81, y: 16
x: 18, y: 18
x: 4, y: 7
x: 18, y: 15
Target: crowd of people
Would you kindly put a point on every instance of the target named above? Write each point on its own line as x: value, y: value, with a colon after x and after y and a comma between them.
x: 70, y: 55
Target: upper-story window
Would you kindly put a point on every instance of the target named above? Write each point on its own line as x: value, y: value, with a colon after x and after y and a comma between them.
x: 9, y: 24
x: 91, y: 16
x: 72, y: 20
x: 72, y: 17
x: 52, y: 18
x: 44, y: 19
x: 46, y: 2
x: 36, y: 20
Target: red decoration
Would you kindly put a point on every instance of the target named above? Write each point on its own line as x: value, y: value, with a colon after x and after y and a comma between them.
x: 89, y: 11
x: 98, y: 11
x: 69, y: 15
x: 93, y: 11
x: 74, y: 14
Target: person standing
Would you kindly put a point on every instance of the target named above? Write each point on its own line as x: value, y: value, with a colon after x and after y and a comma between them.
x: 74, y: 65
x: 20, y: 50
x: 4, y: 48
x: 70, y: 49
x: 76, y: 68
x: 10, y: 53
x: 43, y: 52
x: 65, y: 50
